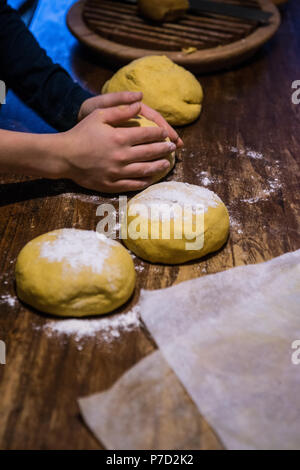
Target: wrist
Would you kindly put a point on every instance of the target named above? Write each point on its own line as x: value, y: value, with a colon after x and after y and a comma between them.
x: 52, y: 155
x: 34, y: 154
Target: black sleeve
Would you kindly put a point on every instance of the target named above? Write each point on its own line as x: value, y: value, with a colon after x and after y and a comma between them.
x: 25, y: 67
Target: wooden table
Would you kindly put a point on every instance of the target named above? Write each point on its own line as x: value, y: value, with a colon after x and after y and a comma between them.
x: 245, y: 147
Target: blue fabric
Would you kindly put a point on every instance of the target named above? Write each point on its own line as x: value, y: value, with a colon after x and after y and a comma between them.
x: 25, y: 67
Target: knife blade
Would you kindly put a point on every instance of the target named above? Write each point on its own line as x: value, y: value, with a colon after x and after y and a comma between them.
x: 230, y: 9
x: 199, y: 7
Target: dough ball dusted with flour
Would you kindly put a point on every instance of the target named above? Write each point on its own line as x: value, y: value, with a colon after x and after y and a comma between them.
x: 174, y: 222
x: 170, y: 89
x: 163, y: 10
x: 76, y: 273
x: 141, y: 121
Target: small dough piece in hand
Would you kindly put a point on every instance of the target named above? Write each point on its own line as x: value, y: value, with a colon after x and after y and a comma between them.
x: 163, y: 10
x: 74, y: 273
x: 175, y: 222
x: 141, y: 121
x: 168, y: 88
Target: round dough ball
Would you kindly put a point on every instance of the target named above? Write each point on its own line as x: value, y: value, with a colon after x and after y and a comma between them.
x: 141, y: 121
x: 152, y: 242
x: 74, y: 273
x: 170, y: 89
x: 163, y: 10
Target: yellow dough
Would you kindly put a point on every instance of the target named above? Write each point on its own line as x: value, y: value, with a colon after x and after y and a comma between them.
x: 76, y: 273
x: 170, y: 89
x: 158, y: 199
x: 163, y: 10
x: 141, y: 121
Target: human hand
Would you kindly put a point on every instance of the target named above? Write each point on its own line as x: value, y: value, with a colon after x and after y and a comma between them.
x: 104, y: 158
x: 124, y: 98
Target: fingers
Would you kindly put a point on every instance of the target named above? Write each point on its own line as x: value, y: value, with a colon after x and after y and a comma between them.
x: 156, y: 117
x: 127, y: 185
x: 145, y: 170
x: 115, y: 99
x: 119, y: 114
x: 142, y: 153
x: 142, y: 135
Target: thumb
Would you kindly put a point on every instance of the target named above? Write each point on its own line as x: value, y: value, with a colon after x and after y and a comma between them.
x: 119, y: 114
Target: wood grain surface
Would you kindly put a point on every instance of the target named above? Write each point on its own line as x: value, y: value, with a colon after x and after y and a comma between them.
x: 245, y: 147
x: 120, y: 35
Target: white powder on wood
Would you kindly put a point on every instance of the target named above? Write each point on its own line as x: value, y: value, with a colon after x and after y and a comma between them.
x: 274, y: 185
x: 8, y: 299
x: 236, y: 225
x: 255, y: 155
x: 247, y: 152
x: 106, y: 328
x: 81, y: 197
x: 140, y: 268
x: 206, y: 181
x: 79, y: 248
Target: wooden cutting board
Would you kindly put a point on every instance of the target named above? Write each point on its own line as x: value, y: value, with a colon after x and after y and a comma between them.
x: 117, y: 32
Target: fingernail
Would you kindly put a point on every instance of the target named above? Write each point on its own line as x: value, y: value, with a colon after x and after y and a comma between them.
x: 172, y: 146
x: 165, y: 134
x: 166, y: 164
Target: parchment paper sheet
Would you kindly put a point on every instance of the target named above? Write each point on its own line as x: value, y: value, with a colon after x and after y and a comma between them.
x: 228, y: 338
x: 147, y: 408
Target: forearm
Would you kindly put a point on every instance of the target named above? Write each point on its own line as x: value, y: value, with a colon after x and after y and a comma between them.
x: 32, y: 154
x: 26, y: 68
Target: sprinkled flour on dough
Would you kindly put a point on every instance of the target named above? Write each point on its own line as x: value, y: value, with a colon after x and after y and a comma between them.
x: 180, y: 193
x: 174, y: 200
x: 107, y: 328
x: 80, y: 248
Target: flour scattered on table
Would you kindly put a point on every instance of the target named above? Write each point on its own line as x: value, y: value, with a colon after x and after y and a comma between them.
x: 8, y: 299
x: 205, y: 179
x: 255, y: 155
x: 252, y: 200
x: 273, y: 185
x: 247, y: 152
x: 139, y: 268
x: 107, y: 329
x: 235, y: 225
x: 82, y: 197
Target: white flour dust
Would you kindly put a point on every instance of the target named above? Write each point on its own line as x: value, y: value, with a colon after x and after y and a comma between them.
x: 247, y: 152
x: 82, y: 197
x: 139, y: 268
x: 79, y: 248
x: 8, y: 299
x: 205, y: 179
x: 176, y: 195
x: 106, y: 329
x: 273, y: 185
x: 236, y: 225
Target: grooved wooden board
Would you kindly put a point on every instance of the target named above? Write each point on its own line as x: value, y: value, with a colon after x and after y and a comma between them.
x: 115, y: 30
